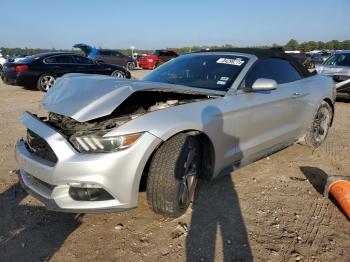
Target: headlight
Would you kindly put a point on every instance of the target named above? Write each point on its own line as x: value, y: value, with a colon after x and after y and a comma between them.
x: 96, y: 143
x: 150, y: 60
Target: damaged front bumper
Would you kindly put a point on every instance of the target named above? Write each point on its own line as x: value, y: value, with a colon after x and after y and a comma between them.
x: 118, y: 173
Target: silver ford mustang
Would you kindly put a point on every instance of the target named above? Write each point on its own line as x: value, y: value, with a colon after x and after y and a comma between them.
x: 200, y: 115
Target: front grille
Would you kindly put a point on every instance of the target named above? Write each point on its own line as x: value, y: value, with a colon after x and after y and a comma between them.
x: 39, y: 147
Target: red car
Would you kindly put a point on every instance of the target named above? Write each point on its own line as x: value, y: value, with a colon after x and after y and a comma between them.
x: 157, y: 58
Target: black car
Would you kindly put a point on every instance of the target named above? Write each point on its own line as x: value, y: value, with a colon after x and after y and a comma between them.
x: 41, y: 70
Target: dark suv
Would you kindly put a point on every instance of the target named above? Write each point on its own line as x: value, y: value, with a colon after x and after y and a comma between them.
x: 107, y: 56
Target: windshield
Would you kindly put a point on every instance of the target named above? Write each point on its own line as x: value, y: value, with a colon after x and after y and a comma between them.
x: 202, y: 71
x: 29, y: 59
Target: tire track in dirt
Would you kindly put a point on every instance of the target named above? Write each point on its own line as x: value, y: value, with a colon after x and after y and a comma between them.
x: 332, y: 150
x: 309, y: 234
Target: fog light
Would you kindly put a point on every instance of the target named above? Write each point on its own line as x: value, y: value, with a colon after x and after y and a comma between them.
x: 89, y: 194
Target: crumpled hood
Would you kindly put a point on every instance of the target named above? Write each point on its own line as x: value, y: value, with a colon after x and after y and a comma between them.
x: 86, y: 97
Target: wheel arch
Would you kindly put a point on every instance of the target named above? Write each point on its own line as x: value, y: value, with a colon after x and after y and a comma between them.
x: 207, y: 149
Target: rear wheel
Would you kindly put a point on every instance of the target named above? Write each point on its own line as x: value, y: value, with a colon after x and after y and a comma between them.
x: 156, y: 64
x: 130, y: 66
x: 173, y: 175
x: 45, y: 82
x: 319, y: 128
x: 118, y: 74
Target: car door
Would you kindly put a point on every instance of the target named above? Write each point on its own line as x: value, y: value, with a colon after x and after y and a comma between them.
x: 85, y: 65
x: 118, y: 58
x: 270, y: 119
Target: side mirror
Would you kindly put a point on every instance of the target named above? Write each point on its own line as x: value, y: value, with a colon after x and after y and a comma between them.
x: 264, y: 84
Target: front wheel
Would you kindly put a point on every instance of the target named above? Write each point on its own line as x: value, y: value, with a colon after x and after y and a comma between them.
x: 173, y: 175
x: 118, y: 74
x: 45, y: 82
x: 317, y: 132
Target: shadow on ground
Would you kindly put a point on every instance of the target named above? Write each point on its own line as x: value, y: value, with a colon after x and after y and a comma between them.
x: 316, y: 176
x: 217, y: 228
x: 31, y: 233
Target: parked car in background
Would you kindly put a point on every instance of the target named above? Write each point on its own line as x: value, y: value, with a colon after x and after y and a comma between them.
x: 338, y: 67
x: 157, y: 58
x: 41, y: 70
x: 200, y: 115
x: 2, y: 60
x: 301, y: 57
x: 107, y: 56
x: 316, y: 59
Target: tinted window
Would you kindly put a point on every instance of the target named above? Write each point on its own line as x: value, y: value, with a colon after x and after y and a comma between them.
x: 105, y: 52
x: 82, y: 60
x: 58, y: 59
x: 201, y: 71
x: 343, y: 60
x: 117, y: 53
x: 272, y: 68
x: 156, y: 52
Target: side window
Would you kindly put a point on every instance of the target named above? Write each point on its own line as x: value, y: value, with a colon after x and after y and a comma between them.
x: 82, y: 60
x: 343, y: 60
x: 105, y: 52
x: 272, y: 68
x: 50, y: 60
x: 58, y: 59
x: 115, y: 53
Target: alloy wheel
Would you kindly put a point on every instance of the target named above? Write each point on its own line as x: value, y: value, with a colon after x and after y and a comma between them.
x: 118, y: 74
x: 189, y: 180
x: 47, y: 82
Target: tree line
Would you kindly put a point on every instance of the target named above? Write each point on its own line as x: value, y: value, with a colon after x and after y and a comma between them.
x: 291, y: 45
x: 317, y: 45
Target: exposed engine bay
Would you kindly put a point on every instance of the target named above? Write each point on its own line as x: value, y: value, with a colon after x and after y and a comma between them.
x: 137, y: 104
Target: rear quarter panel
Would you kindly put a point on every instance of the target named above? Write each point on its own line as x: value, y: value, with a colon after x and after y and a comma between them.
x: 315, y: 88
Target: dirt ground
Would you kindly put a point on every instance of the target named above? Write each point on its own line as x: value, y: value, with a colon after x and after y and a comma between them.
x: 272, y: 210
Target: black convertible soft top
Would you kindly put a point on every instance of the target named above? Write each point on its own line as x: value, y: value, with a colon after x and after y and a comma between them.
x: 262, y: 53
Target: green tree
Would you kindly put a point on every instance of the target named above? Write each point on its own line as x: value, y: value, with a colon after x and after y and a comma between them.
x: 292, y: 45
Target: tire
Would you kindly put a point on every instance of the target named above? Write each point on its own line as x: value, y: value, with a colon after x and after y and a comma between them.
x: 118, y: 74
x: 130, y: 66
x: 156, y: 64
x: 318, y: 130
x: 171, y: 182
x: 45, y: 82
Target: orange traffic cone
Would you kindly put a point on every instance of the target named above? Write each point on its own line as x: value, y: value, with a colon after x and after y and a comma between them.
x: 340, y: 190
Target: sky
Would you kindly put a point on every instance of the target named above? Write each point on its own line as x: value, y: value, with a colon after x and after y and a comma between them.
x: 164, y: 23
